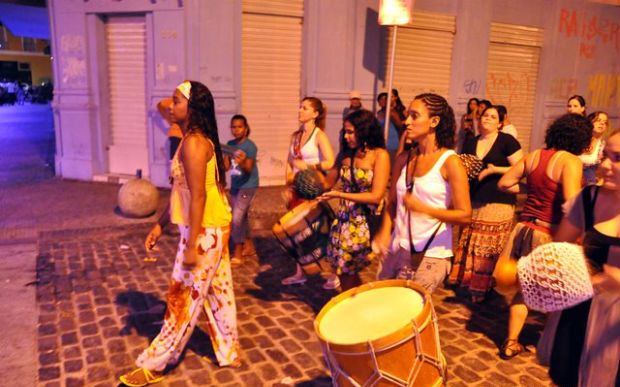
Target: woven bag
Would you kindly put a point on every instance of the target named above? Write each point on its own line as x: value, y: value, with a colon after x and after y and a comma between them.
x: 554, y: 276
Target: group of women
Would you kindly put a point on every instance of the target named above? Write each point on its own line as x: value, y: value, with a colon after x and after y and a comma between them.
x: 413, y: 238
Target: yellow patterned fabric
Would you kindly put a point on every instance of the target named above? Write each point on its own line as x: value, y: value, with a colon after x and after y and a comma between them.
x: 217, y: 210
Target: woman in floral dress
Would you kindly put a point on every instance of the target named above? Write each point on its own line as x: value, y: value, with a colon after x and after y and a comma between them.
x: 362, y: 172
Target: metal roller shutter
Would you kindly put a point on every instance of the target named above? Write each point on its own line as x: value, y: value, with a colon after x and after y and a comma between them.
x: 512, y: 73
x: 271, y: 79
x: 433, y: 34
x: 126, y: 52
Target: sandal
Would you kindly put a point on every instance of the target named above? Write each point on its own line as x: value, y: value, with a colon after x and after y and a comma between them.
x: 141, y: 377
x: 510, y: 349
x: 295, y: 279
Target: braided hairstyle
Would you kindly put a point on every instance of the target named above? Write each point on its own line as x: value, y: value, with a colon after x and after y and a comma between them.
x: 438, y: 107
x: 201, y: 119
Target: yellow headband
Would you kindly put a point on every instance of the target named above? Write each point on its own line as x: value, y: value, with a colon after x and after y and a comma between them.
x: 185, y: 88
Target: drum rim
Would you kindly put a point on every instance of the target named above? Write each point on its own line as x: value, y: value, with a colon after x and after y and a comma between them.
x: 422, y: 320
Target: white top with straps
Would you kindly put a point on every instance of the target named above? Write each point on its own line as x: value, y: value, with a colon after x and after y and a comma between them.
x: 433, y: 190
x: 310, y: 152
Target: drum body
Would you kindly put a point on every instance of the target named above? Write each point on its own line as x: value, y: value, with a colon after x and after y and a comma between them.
x: 382, y: 334
x: 303, y: 232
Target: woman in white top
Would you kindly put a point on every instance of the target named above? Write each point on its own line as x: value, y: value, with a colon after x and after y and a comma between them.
x: 592, y: 157
x: 429, y: 193
x: 310, y: 149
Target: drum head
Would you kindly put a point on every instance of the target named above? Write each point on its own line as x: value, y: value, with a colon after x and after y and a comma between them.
x: 370, y: 315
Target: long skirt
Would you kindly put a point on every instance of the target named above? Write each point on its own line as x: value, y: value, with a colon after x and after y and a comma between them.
x: 479, y: 246
x: 207, y: 285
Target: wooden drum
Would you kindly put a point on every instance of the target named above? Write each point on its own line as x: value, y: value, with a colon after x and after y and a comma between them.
x: 303, y: 232
x: 382, y: 334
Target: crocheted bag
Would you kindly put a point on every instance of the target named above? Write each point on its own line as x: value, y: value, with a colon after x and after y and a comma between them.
x: 554, y: 276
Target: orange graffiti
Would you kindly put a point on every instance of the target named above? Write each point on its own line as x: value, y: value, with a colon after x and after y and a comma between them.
x: 580, y: 24
x: 511, y: 88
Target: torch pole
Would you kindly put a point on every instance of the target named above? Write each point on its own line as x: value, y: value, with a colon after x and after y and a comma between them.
x: 388, y: 103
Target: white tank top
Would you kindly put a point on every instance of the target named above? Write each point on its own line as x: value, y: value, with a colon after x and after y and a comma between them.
x: 310, y: 152
x: 433, y: 190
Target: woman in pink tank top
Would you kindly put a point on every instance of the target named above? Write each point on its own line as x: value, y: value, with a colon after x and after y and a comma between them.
x: 553, y: 175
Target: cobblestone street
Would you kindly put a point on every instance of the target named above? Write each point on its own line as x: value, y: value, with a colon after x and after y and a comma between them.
x: 99, y: 303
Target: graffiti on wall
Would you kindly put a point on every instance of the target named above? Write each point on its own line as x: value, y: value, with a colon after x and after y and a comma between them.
x: 73, y: 60
x: 595, y: 33
x: 604, y: 90
x: 562, y: 88
x: 511, y: 88
x: 471, y: 87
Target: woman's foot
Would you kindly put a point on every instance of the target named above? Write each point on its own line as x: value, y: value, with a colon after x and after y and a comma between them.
x: 237, y: 258
x: 510, y: 349
x: 332, y: 282
x: 141, y: 377
x: 248, y: 248
x: 298, y: 278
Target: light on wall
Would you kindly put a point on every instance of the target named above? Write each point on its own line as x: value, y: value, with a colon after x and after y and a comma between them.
x: 395, y: 12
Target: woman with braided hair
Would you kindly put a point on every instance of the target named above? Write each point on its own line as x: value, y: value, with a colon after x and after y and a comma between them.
x: 201, y: 277
x: 427, y: 196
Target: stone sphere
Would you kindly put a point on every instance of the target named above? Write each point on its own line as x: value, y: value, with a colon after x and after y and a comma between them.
x: 138, y: 198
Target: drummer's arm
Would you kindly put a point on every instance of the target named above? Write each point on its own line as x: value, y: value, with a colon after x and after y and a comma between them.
x: 381, y: 172
x: 460, y: 213
x: 510, y: 180
x: 327, y: 153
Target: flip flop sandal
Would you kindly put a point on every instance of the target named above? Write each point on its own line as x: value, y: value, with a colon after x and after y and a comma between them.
x: 149, y: 378
x: 513, y: 346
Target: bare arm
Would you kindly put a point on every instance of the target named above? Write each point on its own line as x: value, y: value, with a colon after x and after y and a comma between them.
x: 510, y: 180
x: 492, y: 169
x: 327, y: 153
x: 567, y: 231
x: 381, y: 172
x: 572, y: 173
x: 194, y: 155
x: 460, y: 213
x: 163, y: 107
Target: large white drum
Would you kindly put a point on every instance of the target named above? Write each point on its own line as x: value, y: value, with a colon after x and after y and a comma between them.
x: 382, y: 333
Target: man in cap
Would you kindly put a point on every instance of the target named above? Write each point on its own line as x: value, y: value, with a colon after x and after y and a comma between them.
x: 355, y: 98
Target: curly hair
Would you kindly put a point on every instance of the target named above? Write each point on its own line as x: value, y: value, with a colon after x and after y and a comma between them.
x: 201, y: 119
x: 320, y: 108
x: 368, y: 131
x: 438, y: 107
x: 571, y: 132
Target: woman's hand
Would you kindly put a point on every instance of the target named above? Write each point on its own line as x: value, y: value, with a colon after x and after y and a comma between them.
x: 329, y: 195
x: 190, y: 256
x: 380, y: 245
x: 152, y: 237
x: 608, y: 280
x: 489, y: 170
x: 300, y: 164
x: 240, y: 156
x: 414, y: 204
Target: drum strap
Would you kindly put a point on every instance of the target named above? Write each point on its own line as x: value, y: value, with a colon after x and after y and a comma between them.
x: 416, y: 256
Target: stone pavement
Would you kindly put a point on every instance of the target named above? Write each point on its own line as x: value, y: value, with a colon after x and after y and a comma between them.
x: 99, y: 303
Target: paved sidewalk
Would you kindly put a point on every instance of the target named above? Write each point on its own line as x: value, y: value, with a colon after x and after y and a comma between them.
x: 99, y: 303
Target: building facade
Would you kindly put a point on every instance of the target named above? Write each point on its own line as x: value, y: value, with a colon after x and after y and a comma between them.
x: 115, y: 59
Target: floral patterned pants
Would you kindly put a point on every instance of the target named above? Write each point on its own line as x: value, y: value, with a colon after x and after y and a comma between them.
x: 208, y: 284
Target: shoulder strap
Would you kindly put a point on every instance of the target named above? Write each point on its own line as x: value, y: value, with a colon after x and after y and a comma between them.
x: 588, y: 205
